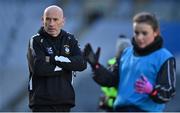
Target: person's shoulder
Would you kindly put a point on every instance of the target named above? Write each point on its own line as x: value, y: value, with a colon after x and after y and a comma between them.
x: 65, y: 33
x: 162, y: 54
x: 36, y: 36
x: 69, y: 35
x: 112, y: 61
x: 166, y: 52
x: 128, y: 49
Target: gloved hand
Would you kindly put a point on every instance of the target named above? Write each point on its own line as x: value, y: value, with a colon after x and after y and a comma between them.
x: 57, y: 68
x: 90, y: 56
x: 142, y: 85
x: 62, y: 59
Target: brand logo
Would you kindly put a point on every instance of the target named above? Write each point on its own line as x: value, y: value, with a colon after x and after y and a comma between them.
x: 66, y: 49
x: 49, y: 50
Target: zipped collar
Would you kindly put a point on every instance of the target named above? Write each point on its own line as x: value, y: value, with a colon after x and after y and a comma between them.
x: 157, y: 44
x: 46, y: 35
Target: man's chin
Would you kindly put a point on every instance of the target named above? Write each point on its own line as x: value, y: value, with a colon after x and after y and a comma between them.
x: 52, y: 34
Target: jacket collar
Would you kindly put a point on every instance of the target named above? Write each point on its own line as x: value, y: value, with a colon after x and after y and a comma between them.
x: 157, y: 44
x: 46, y: 35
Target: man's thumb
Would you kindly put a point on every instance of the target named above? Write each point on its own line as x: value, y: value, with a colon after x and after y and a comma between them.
x: 98, y: 53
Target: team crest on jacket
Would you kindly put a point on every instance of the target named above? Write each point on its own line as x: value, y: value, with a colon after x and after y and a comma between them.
x: 66, y: 49
x: 49, y: 50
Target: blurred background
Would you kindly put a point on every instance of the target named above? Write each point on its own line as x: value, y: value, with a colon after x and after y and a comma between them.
x: 98, y: 22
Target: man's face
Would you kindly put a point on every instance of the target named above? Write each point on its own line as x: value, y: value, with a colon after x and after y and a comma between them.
x: 53, y: 21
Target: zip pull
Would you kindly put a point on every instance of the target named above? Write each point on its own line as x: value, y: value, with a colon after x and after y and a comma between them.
x: 74, y: 73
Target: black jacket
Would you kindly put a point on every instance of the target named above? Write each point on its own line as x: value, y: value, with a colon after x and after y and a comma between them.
x: 48, y: 86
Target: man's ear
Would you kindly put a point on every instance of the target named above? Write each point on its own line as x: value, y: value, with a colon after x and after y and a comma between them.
x: 42, y: 19
x: 63, y: 21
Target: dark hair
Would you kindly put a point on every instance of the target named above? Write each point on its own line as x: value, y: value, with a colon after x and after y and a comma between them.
x: 145, y: 17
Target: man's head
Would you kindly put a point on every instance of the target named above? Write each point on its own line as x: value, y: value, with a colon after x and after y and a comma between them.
x: 53, y: 20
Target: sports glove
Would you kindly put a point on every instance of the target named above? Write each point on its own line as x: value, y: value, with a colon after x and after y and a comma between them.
x: 90, y: 56
x: 62, y: 59
x: 143, y: 85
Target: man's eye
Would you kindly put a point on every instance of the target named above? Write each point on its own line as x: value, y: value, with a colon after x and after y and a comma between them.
x: 144, y: 33
x: 136, y: 32
x: 47, y: 18
x: 55, y: 19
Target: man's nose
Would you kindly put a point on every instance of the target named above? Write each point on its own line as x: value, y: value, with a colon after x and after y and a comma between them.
x: 51, y: 23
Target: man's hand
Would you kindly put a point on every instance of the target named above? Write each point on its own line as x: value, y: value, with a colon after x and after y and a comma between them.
x: 90, y: 56
x: 62, y: 59
x: 143, y: 85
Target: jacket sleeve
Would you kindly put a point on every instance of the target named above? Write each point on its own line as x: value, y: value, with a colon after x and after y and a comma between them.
x: 105, y: 77
x: 164, y: 89
x: 37, y: 60
x: 78, y: 63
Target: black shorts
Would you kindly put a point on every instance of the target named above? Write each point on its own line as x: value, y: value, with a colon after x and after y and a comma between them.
x: 50, y: 108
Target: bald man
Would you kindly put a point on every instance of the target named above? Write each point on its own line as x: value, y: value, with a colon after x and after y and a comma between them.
x: 53, y: 55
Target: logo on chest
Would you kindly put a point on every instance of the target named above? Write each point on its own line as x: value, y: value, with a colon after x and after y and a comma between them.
x: 49, y: 50
x: 66, y: 49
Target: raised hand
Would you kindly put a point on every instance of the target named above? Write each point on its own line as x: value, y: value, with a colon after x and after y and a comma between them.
x: 90, y: 56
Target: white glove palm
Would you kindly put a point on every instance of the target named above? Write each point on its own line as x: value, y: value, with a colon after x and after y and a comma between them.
x: 57, y: 68
x: 62, y: 59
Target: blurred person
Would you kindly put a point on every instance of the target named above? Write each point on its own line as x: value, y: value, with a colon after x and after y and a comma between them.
x: 53, y: 56
x: 109, y: 93
x: 145, y: 74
